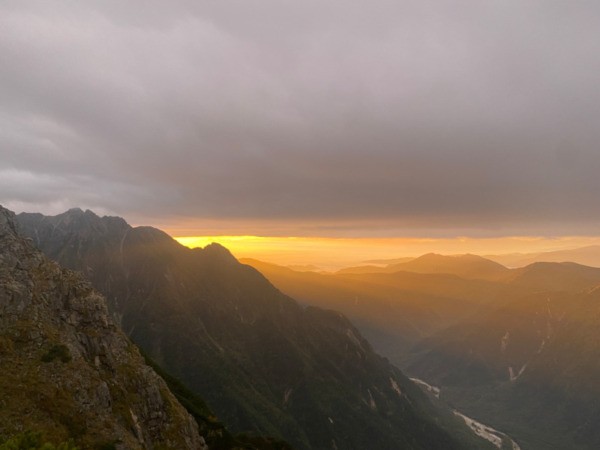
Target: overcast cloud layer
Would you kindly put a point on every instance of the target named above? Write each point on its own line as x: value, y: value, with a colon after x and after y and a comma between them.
x: 411, y: 117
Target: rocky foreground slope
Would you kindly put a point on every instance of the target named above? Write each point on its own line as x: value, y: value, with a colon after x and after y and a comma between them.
x: 67, y: 370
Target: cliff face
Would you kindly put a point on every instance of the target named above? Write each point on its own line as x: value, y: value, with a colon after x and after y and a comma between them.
x: 67, y: 370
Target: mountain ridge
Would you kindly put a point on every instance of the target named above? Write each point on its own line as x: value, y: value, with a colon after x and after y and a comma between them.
x: 67, y: 370
x: 465, y: 265
x: 262, y: 361
x: 588, y: 255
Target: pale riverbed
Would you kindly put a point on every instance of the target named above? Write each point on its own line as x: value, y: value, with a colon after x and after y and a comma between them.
x: 486, y: 432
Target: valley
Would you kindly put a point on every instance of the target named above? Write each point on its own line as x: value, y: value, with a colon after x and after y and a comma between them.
x: 488, y: 433
x: 517, y: 349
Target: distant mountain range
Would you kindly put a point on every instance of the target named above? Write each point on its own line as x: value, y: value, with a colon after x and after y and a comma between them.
x: 587, y: 256
x: 262, y: 361
x: 515, y: 348
x: 466, y: 266
x: 434, y: 263
x: 394, y: 310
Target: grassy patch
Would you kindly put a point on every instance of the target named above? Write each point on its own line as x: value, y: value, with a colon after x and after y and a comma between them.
x: 57, y: 351
x: 30, y: 440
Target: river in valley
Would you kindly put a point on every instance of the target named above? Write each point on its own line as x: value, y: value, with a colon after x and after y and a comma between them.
x: 486, y: 432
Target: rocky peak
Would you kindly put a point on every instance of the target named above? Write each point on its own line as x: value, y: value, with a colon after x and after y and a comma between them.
x: 87, y: 224
x: 219, y: 253
x: 7, y: 222
x: 67, y: 370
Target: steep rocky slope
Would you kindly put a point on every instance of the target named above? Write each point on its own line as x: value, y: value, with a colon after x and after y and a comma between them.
x: 262, y: 361
x: 66, y: 369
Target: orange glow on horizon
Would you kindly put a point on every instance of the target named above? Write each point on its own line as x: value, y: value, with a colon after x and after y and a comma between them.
x: 335, y: 253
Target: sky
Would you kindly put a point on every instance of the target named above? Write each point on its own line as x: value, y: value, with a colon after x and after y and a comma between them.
x: 340, y: 119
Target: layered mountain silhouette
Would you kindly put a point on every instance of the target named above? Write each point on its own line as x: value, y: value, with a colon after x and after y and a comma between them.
x: 262, y: 361
x: 520, y: 353
x: 66, y: 370
x: 551, y: 276
x: 588, y: 256
x: 466, y: 266
x: 395, y: 310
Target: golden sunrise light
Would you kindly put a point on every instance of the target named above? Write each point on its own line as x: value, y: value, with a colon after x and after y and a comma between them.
x: 335, y: 253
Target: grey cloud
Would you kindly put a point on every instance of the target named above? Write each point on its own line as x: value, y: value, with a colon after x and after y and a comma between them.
x: 464, y: 115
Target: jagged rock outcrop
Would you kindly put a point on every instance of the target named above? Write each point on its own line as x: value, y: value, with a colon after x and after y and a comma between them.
x: 66, y: 369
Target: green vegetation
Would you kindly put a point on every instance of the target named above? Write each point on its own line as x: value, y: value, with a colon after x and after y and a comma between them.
x: 252, y: 442
x: 30, y: 440
x: 107, y: 446
x: 57, y: 351
x: 6, y: 345
x: 215, y: 433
